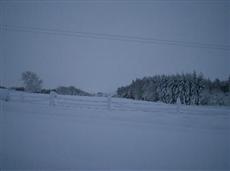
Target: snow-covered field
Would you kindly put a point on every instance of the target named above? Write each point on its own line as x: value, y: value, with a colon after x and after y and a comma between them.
x: 83, y: 133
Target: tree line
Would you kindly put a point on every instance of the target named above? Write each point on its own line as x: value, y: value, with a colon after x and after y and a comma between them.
x: 190, y: 88
x: 33, y: 84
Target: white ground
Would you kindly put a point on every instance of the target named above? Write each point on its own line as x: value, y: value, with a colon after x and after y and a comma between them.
x: 81, y: 133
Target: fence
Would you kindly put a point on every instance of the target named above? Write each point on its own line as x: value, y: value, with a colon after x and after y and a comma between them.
x: 109, y: 103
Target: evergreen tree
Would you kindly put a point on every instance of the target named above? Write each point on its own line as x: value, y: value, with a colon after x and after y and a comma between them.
x: 191, y: 88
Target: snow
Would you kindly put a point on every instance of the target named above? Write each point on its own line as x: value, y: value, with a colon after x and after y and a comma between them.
x: 81, y: 133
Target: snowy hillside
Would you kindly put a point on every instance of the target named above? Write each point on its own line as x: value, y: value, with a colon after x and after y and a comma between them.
x: 96, y: 133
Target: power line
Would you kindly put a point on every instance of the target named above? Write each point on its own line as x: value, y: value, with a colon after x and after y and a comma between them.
x: 112, y: 1
x: 114, y: 37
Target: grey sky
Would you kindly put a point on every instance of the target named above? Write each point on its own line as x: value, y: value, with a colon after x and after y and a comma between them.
x: 104, y: 65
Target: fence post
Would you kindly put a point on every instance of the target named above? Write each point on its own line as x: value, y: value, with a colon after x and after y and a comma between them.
x: 4, y: 95
x: 22, y: 97
x: 52, y: 98
x: 109, y: 102
x: 2, y: 131
x: 178, y: 103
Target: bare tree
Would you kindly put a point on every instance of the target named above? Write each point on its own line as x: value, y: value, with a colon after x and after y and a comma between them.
x: 31, y: 81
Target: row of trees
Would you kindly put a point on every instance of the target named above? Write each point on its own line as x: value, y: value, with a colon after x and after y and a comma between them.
x: 71, y: 90
x: 191, y: 88
x: 32, y: 83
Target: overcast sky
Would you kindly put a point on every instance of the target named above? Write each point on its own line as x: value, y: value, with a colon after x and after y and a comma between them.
x: 104, y: 64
